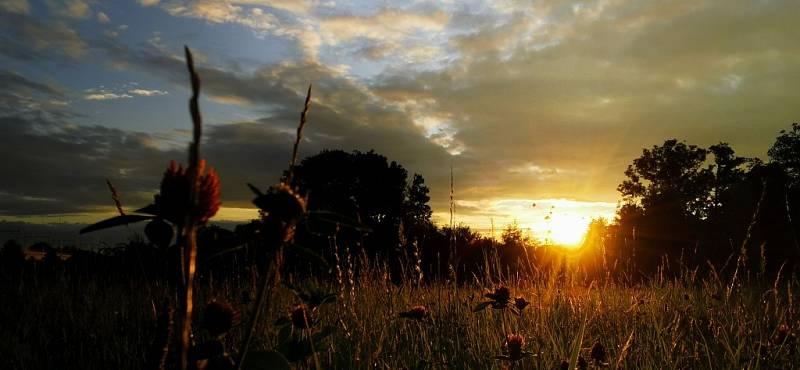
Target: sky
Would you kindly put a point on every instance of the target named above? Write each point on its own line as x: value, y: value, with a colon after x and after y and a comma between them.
x: 537, y: 106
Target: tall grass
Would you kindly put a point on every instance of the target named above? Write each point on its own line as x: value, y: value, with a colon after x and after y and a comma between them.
x: 674, y: 324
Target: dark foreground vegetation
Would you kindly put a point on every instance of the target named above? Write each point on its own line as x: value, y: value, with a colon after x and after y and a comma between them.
x: 344, y: 269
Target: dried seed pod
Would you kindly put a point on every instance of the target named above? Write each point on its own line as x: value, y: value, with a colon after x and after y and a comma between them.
x: 219, y: 318
x: 301, y: 317
x: 283, y: 203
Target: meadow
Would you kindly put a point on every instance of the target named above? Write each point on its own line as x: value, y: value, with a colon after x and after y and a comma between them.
x: 360, y: 313
x: 678, y: 323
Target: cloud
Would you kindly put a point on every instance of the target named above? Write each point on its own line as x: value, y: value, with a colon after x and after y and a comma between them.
x: 103, y: 18
x: 106, y: 96
x: 16, y: 6
x: 26, y: 39
x: 99, y: 94
x: 345, y: 115
x: 145, y: 92
x: 223, y: 12
x: 388, y: 25
x: 75, y: 9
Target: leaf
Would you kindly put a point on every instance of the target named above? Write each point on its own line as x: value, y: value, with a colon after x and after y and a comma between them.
x: 254, y: 189
x: 481, y: 306
x: 296, y: 349
x: 285, y: 333
x: 150, y: 209
x: 625, y: 349
x: 266, y: 360
x: 115, y: 221
x: 334, y: 218
x: 576, y: 344
x: 323, y: 333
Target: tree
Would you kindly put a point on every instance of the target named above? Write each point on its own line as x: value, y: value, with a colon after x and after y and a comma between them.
x: 667, y: 195
x: 670, y: 178
x: 418, y: 212
x: 366, y: 188
x: 786, y: 152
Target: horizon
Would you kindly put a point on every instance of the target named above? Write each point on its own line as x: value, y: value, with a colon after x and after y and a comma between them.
x: 531, y: 102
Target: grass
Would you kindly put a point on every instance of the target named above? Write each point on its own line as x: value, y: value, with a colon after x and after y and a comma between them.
x: 678, y: 324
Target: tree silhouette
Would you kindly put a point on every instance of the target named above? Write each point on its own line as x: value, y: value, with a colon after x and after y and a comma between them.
x: 367, y: 189
x: 670, y: 178
x: 786, y: 152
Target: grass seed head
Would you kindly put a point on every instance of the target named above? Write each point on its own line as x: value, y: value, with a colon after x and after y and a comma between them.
x: 300, y: 317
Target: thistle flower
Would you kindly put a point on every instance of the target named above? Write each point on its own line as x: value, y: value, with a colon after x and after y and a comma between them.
x: 172, y: 202
x: 520, y: 303
x: 514, y: 345
x: 783, y: 336
x: 219, y: 318
x: 418, y: 313
x: 300, y: 317
x: 500, y: 297
x: 282, y: 202
x: 582, y: 364
x: 597, y: 353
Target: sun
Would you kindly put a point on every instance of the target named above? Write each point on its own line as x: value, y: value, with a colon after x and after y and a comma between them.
x: 568, y: 230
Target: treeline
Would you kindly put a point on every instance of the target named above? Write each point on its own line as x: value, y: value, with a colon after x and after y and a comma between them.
x: 707, y: 208
x: 684, y: 207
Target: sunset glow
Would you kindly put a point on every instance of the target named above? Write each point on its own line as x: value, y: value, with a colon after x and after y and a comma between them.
x: 550, y: 221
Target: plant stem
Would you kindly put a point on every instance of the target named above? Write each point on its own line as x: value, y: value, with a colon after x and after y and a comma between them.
x: 267, y: 280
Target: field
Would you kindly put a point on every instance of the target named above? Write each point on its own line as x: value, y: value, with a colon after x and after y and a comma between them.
x: 680, y: 323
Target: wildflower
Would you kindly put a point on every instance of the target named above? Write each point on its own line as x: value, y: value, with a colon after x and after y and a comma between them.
x: 514, y: 345
x: 783, y: 336
x: 598, y: 353
x: 418, y: 313
x: 520, y: 303
x: 500, y: 297
x: 219, y: 318
x: 172, y: 203
x: 283, y: 203
x: 582, y: 364
x: 300, y: 317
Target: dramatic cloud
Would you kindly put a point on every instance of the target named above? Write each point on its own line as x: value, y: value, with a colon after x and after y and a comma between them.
x: 527, y: 101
